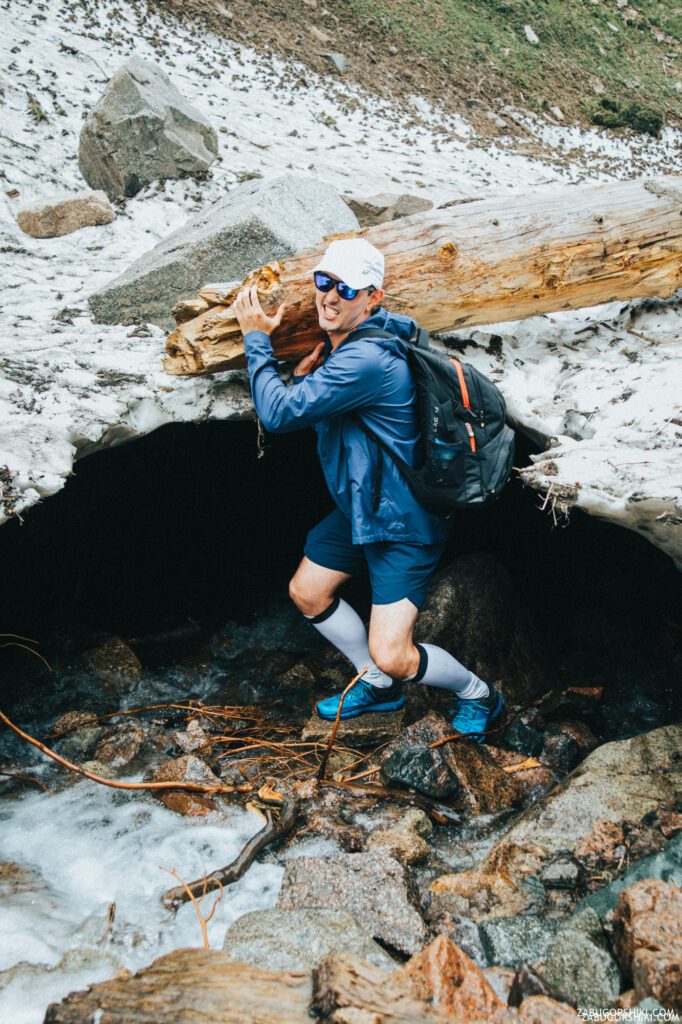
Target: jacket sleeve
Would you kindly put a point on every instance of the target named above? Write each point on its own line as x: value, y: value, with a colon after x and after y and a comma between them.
x: 351, y: 377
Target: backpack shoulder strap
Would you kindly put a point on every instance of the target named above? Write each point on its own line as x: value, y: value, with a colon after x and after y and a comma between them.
x: 367, y: 332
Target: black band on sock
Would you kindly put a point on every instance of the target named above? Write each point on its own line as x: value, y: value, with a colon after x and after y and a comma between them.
x: 327, y: 613
x: 423, y: 664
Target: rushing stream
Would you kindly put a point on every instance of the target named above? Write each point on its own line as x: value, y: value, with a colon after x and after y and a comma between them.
x: 81, y: 866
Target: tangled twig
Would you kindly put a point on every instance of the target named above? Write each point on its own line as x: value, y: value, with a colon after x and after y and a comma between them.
x: 325, y: 757
x: 203, y: 921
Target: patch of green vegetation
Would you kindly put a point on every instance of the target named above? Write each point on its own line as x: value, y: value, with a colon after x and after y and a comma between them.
x: 587, y: 49
x: 609, y: 114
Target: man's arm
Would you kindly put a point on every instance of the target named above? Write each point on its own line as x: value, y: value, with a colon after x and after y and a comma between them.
x: 349, y: 380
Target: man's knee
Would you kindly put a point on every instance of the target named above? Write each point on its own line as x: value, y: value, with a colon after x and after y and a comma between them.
x: 310, y: 601
x: 398, y: 661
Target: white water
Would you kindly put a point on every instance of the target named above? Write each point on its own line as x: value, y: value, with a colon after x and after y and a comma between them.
x: 87, y: 847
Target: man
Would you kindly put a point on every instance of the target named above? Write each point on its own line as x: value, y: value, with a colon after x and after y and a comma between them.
x: 385, y: 530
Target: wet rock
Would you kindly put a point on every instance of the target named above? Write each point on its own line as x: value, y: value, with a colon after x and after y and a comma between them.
x: 563, y: 873
x: 296, y: 940
x: 114, y: 665
x: 466, y: 771
x: 648, y: 940
x: 461, y: 930
x: 167, y: 992
x: 418, y: 767
x: 510, y: 941
x: 72, y: 721
x: 579, y: 962
x: 665, y: 865
x: 618, y: 782
x: 494, y: 888
x: 142, y: 130
x: 79, y: 744
x: 363, y: 731
x: 120, y: 744
x: 191, y: 739
x: 372, y: 886
x: 350, y: 837
x: 605, y: 845
x: 528, y: 982
x: 381, y: 209
x: 523, y: 737
x: 531, y: 782
x: 560, y: 750
x: 186, y: 769
x: 500, y: 979
x: 65, y: 213
x: 543, y: 1010
x: 405, y: 841
x: 255, y: 223
x: 445, y: 977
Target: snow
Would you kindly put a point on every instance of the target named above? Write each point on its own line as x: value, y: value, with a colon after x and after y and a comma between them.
x: 69, y: 387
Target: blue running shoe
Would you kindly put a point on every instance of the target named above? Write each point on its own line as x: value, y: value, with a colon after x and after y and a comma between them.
x: 362, y: 699
x: 473, y: 718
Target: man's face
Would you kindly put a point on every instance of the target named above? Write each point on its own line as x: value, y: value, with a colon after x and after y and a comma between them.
x: 340, y: 316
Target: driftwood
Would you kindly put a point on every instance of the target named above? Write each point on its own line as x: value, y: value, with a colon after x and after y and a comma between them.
x: 191, y: 985
x: 344, y: 981
x: 275, y: 828
x: 478, y: 263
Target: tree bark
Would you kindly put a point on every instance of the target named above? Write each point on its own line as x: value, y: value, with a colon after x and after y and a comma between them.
x: 478, y: 263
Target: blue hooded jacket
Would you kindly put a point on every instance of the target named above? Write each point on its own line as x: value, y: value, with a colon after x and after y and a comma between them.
x: 369, y: 377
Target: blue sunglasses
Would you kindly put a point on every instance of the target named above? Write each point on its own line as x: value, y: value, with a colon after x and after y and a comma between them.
x: 325, y: 283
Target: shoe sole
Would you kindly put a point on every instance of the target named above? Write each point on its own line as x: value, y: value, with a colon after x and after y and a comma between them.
x: 393, y: 705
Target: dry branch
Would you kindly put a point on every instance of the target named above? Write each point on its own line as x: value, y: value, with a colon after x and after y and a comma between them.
x: 193, y: 787
x: 275, y: 828
x: 325, y: 757
x: 479, y: 263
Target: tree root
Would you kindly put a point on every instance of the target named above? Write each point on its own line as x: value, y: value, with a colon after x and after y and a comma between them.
x: 274, y: 829
x: 440, y: 813
x: 192, y: 787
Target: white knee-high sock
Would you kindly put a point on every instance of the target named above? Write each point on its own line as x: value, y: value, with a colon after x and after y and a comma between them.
x: 438, y: 668
x: 344, y: 628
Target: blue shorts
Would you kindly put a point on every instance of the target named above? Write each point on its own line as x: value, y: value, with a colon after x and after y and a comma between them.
x: 396, y: 569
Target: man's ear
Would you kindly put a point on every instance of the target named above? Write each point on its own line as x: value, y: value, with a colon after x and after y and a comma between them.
x: 376, y: 297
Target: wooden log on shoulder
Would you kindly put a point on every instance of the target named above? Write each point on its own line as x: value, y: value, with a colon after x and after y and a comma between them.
x: 480, y: 263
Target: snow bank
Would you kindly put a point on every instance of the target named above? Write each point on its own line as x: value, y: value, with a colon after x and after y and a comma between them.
x: 605, y: 386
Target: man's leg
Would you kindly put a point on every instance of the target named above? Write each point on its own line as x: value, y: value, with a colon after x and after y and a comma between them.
x: 405, y: 569
x: 313, y: 590
x: 330, y: 559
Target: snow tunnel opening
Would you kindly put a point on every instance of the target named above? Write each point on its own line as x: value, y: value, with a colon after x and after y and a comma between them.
x: 187, y: 529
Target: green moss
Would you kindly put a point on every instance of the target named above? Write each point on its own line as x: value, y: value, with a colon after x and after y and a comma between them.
x: 609, y: 114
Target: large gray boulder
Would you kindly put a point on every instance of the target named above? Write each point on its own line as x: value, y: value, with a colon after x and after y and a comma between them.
x: 256, y: 222
x: 373, y: 887
x: 141, y: 130
x: 297, y: 940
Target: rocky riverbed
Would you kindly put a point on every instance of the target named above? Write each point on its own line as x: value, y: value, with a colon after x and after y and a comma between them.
x: 521, y: 859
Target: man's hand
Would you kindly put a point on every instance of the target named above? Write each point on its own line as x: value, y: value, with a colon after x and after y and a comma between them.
x: 249, y: 313
x: 310, y: 362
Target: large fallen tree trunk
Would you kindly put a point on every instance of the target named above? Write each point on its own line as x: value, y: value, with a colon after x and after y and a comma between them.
x: 478, y: 263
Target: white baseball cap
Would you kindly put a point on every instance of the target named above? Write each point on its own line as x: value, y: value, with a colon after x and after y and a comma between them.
x: 355, y: 261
